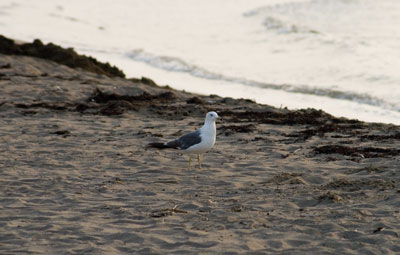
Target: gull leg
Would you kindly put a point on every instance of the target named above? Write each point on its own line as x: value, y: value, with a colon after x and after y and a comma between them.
x: 190, y: 160
x: 198, y: 159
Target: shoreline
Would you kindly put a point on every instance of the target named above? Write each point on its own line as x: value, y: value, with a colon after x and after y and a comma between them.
x: 77, y: 176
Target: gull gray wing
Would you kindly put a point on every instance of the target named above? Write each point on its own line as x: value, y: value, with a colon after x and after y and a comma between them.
x: 185, y: 141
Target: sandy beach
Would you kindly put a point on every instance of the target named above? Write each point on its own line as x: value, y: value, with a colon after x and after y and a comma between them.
x: 77, y: 177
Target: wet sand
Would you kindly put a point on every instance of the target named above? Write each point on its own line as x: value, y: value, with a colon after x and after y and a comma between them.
x: 77, y: 178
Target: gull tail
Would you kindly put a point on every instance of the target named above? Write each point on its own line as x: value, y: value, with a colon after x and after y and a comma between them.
x: 158, y: 145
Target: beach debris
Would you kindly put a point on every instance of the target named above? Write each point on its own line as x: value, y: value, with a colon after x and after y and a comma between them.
x: 59, y: 55
x: 108, y: 103
x: 395, y: 136
x: 5, y: 66
x: 378, y: 230
x: 361, y: 184
x: 284, y: 178
x: 166, y: 212
x: 195, y: 100
x: 238, y: 208
x: 228, y: 130
x: 330, y: 196
x: 364, y: 152
x: 284, y: 117
x: 115, y: 180
x: 63, y: 133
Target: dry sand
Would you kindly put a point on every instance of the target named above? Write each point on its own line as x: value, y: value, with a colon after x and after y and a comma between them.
x: 77, y: 178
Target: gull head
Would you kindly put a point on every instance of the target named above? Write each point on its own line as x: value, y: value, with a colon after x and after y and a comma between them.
x: 211, y: 116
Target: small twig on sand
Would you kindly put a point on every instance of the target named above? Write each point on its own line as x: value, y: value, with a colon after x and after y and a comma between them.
x: 166, y: 212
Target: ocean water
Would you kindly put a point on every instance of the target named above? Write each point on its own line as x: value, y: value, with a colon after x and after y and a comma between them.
x: 342, y: 56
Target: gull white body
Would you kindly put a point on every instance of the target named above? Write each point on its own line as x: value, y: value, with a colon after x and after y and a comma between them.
x: 208, y: 133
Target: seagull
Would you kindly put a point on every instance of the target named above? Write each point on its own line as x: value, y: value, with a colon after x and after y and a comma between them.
x: 197, y: 142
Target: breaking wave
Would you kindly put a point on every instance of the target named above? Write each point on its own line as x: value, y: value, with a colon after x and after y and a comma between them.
x: 174, y: 64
